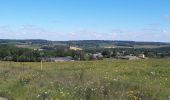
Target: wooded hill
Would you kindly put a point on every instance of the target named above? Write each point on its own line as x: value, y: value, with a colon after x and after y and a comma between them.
x: 87, y: 43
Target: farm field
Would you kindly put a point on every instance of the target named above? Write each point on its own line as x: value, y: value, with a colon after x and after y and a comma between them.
x: 28, y: 46
x: 86, y: 80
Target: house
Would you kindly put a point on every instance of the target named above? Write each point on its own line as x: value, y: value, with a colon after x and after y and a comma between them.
x: 142, y: 56
x: 97, y: 56
x: 58, y: 59
x: 40, y: 49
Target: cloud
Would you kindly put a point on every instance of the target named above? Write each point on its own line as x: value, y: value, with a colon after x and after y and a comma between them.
x: 146, y: 34
x: 120, y: 34
x: 6, y: 31
x: 29, y: 32
x: 34, y: 32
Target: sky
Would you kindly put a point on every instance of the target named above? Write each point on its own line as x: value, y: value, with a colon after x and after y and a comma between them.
x: 60, y: 20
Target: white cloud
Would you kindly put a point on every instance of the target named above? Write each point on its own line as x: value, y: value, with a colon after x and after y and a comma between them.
x: 28, y: 32
x: 34, y: 32
x: 144, y: 35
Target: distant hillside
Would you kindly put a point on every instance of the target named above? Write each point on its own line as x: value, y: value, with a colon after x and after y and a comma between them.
x: 84, y: 43
x: 33, y: 41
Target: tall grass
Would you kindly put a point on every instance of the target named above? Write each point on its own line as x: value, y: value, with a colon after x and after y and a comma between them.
x: 90, y: 80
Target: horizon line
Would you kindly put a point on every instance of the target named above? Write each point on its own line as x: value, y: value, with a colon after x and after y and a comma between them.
x: 88, y: 40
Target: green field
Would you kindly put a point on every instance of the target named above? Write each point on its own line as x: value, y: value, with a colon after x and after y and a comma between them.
x: 86, y: 80
x: 28, y: 46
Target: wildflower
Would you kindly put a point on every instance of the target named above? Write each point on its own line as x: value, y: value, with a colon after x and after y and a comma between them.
x: 38, y: 95
x: 115, y: 79
x: 169, y: 97
x: 75, y: 88
x: 93, y: 89
x: 130, y: 92
x: 61, y: 92
x: 105, y: 77
x: 153, y: 73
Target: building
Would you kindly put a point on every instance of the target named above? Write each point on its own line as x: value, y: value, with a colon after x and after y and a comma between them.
x: 142, y: 56
x: 40, y: 49
x: 97, y: 56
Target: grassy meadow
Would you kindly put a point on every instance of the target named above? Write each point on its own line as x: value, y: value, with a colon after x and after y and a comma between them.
x: 87, y: 80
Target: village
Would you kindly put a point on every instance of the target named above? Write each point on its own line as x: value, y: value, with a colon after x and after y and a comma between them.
x: 89, y: 56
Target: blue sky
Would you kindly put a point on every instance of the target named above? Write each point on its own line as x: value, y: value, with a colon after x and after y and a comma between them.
x: 139, y: 20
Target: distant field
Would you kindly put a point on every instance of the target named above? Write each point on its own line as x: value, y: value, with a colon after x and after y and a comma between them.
x: 88, y: 80
x: 28, y: 46
x: 150, y: 46
x: 75, y: 48
x: 136, y: 46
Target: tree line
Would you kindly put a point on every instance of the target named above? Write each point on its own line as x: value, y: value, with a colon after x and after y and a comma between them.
x: 13, y: 53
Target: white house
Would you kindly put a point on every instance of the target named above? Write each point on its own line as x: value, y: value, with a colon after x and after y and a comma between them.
x: 141, y: 56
